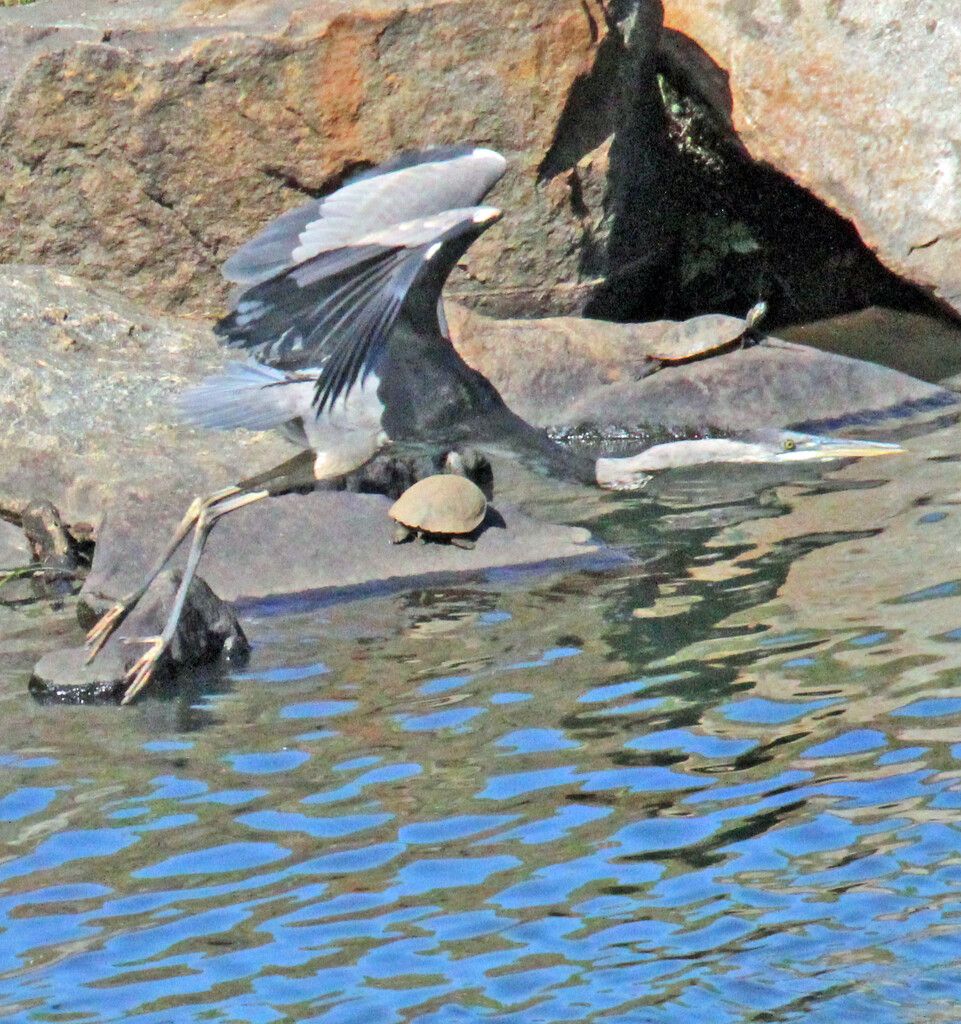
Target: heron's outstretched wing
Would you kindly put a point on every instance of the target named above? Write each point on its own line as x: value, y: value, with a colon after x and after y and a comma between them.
x: 325, y: 283
x: 409, y: 187
x: 335, y: 309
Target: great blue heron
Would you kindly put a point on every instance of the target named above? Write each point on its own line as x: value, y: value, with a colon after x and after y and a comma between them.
x: 341, y: 318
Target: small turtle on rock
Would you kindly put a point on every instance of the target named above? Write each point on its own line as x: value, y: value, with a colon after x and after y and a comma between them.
x: 444, y: 507
x: 707, y: 335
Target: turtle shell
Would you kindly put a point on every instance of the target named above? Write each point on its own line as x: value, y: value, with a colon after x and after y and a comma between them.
x: 444, y: 503
x: 702, y: 334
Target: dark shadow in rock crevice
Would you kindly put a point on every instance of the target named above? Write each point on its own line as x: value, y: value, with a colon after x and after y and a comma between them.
x: 697, y: 225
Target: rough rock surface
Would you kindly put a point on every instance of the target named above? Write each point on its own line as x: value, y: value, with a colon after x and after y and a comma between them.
x: 86, y: 382
x: 563, y: 371
x: 855, y: 100
x: 140, y: 144
x: 208, y: 630
x: 319, y: 541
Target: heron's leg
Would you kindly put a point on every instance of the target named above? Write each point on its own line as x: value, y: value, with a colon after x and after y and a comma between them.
x: 140, y: 672
x: 101, y: 630
x: 296, y: 473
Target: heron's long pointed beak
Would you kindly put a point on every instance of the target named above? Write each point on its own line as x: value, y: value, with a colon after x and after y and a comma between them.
x: 838, y: 448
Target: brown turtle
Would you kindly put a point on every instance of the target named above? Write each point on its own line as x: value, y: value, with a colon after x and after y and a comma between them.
x: 706, y: 335
x: 441, y: 507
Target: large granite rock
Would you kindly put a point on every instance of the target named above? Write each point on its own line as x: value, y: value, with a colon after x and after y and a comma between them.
x: 140, y: 144
x: 86, y: 383
x: 855, y: 100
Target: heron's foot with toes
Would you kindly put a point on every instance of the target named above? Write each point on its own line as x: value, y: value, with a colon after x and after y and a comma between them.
x: 101, y: 631
x: 140, y: 672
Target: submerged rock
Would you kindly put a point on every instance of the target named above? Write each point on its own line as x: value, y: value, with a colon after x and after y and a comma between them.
x: 208, y: 631
x: 63, y: 677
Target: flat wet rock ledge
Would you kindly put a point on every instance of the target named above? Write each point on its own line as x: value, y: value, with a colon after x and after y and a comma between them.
x: 207, y: 633
x: 314, y: 542
x: 561, y: 371
x: 321, y: 541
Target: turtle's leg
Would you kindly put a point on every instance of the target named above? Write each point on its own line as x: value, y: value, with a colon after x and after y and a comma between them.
x: 651, y: 364
x: 402, y: 534
x: 459, y: 541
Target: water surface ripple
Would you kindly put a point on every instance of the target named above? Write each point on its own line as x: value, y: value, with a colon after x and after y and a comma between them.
x: 721, y: 784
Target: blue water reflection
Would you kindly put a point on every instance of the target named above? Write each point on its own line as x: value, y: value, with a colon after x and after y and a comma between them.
x: 517, y: 805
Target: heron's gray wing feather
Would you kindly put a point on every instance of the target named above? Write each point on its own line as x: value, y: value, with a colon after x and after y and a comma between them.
x: 335, y: 310
x: 293, y: 325
x: 268, y: 253
x: 411, y: 187
x: 247, y: 395
x: 383, y: 206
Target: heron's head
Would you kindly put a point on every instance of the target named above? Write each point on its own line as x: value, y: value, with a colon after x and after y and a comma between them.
x: 792, y: 446
x: 771, y: 447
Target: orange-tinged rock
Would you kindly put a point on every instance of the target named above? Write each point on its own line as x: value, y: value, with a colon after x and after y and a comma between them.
x: 857, y: 101
x: 141, y: 144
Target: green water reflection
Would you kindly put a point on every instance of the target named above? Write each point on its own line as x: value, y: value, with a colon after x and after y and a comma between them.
x: 718, y: 783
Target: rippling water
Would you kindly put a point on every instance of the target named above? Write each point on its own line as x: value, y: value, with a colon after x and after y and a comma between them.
x: 719, y: 783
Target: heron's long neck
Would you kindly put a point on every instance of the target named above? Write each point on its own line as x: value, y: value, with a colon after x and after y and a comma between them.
x: 431, y: 394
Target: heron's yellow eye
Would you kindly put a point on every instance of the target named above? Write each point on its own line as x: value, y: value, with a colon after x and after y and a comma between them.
x: 790, y: 445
